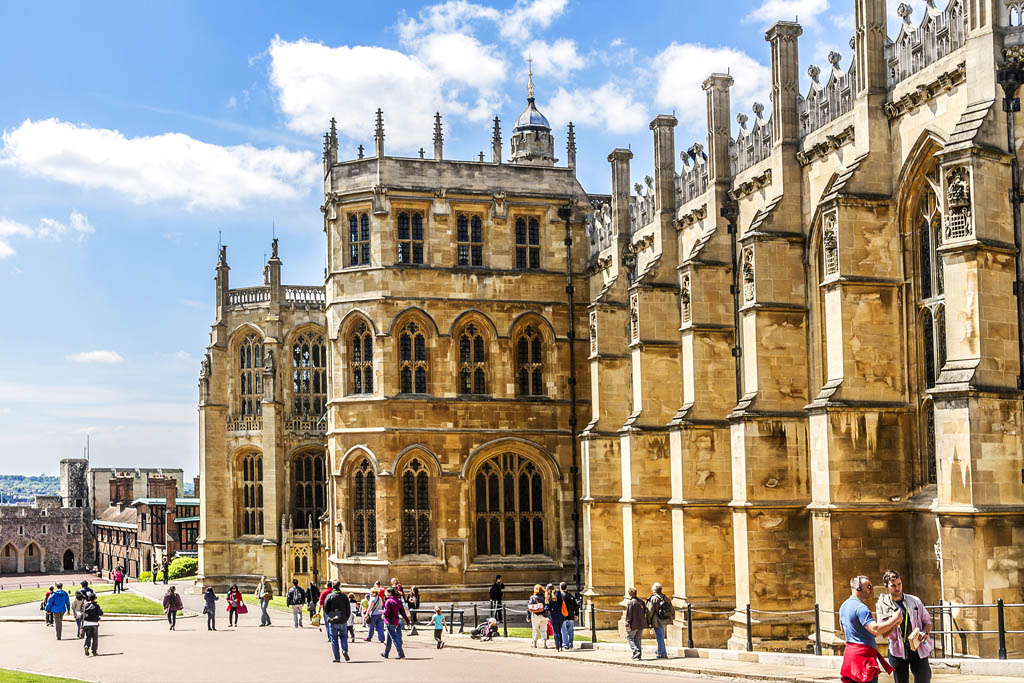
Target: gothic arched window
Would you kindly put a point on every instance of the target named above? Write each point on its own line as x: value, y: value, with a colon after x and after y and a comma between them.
x: 472, y: 361
x: 359, y: 239
x: 309, y: 374
x: 530, y: 363
x: 362, y: 359
x: 527, y: 243
x: 412, y: 359
x: 364, y: 510
x: 250, y: 375
x: 469, y: 240
x: 310, y: 489
x: 410, y: 237
x: 252, y: 495
x: 415, y: 509
x: 509, y: 506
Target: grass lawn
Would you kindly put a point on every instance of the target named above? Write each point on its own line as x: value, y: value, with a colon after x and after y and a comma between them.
x: 19, y: 596
x: 278, y: 602
x: 9, y: 676
x: 526, y: 632
x: 127, y: 603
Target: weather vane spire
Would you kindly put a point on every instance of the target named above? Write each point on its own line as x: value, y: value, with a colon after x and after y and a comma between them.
x: 529, y: 87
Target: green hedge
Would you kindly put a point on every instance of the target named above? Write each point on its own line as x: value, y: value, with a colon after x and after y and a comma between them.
x: 179, y: 569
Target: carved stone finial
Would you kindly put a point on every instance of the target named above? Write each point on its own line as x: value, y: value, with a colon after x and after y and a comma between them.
x: 360, y: 151
x: 273, y: 248
x: 438, y: 137
x: 853, y: 42
x: 205, y: 367
x: 572, y: 137
x: 813, y: 71
x: 378, y: 130
x: 223, y: 258
x: 741, y: 119
x: 334, y: 129
x: 529, y: 87
x: 904, y: 11
x: 833, y: 59
x: 481, y: 157
x: 758, y: 109
x: 422, y: 153
x: 496, y: 134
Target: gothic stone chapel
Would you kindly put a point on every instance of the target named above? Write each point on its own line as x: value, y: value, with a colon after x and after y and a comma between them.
x: 803, y: 356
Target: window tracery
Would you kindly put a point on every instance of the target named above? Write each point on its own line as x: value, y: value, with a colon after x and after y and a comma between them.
x: 250, y: 375
x: 958, y: 199
x: 472, y: 361
x: 412, y: 359
x: 415, y: 509
x: 410, y: 237
x: 252, y: 495
x: 527, y: 243
x: 530, y: 363
x: 364, y: 509
x: 509, y: 506
x: 359, y: 239
x: 362, y: 359
x: 308, y: 474
x: 309, y: 375
x: 469, y: 240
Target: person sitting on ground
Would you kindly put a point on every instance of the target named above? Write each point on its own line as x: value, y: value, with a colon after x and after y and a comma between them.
x: 486, y: 630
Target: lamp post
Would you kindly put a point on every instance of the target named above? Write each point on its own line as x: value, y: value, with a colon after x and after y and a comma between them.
x: 1010, y: 76
x: 565, y: 213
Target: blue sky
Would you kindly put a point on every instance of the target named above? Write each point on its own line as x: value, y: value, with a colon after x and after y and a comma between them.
x: 133, y: 133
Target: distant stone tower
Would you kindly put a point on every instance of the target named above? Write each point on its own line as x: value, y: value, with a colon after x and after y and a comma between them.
x: 74, y: 487
x: 532, y: 142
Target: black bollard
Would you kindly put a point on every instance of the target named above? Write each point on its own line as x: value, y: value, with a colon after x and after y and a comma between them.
x: 750, y: 632
x: 451, y: 620
x: 593, y: 625
x: 504, y: 619
x: 689, y: 626
x: 817, y: 630
x: 1002, y: 628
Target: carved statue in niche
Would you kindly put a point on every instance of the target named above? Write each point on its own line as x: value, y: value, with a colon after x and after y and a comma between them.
x: 747, y: 271
x: 684, y: 299
x: 629, y: 262
x: 830, y: 246
x: 958, y: 202
x: 634, y: 318
x: 593, y: 331
x: 268, y: 361
x: 205, y: 367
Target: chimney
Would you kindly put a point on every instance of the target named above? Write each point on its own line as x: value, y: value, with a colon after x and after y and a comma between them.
x: 717, y: 87
x: 155, y: 487
x: 619, y: 159
x: 785, y: 80
x: 664, y: 162
x: 195, y: 486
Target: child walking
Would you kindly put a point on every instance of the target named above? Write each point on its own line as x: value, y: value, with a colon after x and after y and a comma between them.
x: 439, y: 624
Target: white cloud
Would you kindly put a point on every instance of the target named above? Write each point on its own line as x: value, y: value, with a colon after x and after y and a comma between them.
x: 10, y: 228
x: 559, y: 58
x: 171, y: 166
x: 681, y: 69
x: 609, y: 107
x: 528, y: 15
x: 515, y: 24
x: 96, y: 357
x: 804, y: 11
x: 460, y: 57
x: 58, y: 394
x: 315, y: 82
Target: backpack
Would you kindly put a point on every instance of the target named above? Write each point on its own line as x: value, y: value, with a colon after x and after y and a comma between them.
x: 665, y: 610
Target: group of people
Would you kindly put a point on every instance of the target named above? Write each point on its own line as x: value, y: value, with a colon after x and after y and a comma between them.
x: 552, y: 612
x: 654, y: 614
x: 85, y: 609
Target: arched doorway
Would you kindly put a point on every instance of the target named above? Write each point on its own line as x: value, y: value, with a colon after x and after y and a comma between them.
x: 33, y: 558
x: 69, y: 561
x: 8, y: 560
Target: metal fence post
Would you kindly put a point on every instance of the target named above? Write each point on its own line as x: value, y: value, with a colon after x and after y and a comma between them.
x: 942, y: 629
x: 1002, y: 628
x: 451, y: 620
x: 689, y: 626
x: 750, y: 632
x: 593, y: 626
x: 817, y: 630
x: 504, y: 618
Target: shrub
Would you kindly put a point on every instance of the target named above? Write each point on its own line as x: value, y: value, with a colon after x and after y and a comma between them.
x: 146, y: 577
x: 182, y: 567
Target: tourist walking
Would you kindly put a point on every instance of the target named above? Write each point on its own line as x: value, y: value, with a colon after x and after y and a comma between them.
x: 311, y: 597
x: 82, y: 598
x: 394, y: 613
x: 337, y: 610
x: 210, y: 609
x: 264, y: 593
x: 909, y: 644
x: 91, y: 623
x: 236, y: 605
x: 538, y: 609
x: 166, y: 570
x: 375, y: 615
x: 353, y: 607
x: 57, y: 605
x: 636, y: 622
x: 556, y: 605
x: 296, y: 599
x: 43, y: 606
x: 172, y: 605
x: 328, y: 587
x: 77, y: 605
x: 156, y: 574
x: 861, y: 658
x: 439, y: 624
x: 497, y: 591
x: 659, y: 614
x: 570, y: 610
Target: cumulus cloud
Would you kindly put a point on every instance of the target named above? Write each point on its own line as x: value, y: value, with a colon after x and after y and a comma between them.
x: 315, y: 82
x: 108, y: 357
x: 462, y: 58
x: 171, y: 166
x: 8, y: 229
x: 682, y: 68
x: 770, y: 11
x: 49, y: 228
x: 608, y: 107
x: 528, y: 15
x: 559, y: 58
x: 515, y: 24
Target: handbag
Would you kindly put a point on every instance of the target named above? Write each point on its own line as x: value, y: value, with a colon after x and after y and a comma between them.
x: 315, y: 619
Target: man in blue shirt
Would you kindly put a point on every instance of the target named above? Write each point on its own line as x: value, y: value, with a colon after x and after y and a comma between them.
x: 861, y: 656
x: 58, y: 605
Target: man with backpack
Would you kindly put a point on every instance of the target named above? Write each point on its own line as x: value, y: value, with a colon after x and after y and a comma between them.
x: 570, y: 610
x: 336, y: 612
x: 91, y: 614
x: 659, y: 614
x: 296, y: 599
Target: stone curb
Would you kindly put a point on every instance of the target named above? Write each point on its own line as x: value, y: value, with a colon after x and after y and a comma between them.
x: 186, y: 614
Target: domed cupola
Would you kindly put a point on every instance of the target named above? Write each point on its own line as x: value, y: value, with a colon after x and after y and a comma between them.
x: 532, y: 142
